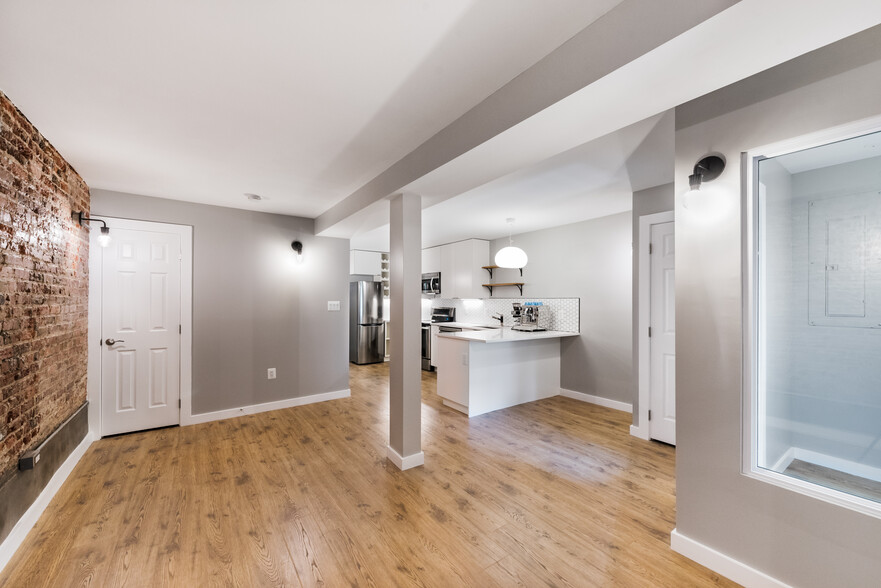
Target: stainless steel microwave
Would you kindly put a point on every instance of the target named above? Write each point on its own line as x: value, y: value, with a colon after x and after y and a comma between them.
x: 431, y: 284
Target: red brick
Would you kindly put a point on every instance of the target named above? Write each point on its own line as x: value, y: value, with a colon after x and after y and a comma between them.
x: 43, y: 287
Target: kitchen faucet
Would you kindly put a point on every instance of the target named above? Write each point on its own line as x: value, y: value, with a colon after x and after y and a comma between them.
x: 500, y: 317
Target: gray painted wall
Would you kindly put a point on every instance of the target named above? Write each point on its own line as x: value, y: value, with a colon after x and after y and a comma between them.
x: 253, y: 306
x: 650, y: 201
x: 797, y: 539
x: 588, y: 260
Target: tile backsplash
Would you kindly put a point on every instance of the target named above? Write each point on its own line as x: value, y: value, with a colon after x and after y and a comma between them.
x: 560, y: 314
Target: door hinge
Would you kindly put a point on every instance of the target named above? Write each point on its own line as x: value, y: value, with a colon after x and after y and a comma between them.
x: 650, y: 332
x: 651, y: 249
x: 650, y: 415
x: 179, y: 405
x: 180, y: 329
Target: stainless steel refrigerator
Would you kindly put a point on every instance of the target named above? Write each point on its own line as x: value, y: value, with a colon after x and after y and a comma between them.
x: 366, y: 330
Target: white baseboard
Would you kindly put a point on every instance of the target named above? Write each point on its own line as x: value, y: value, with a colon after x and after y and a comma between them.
x: 598, y: 400
x: 405, y: 463
x: 24, y: 525
x: 641, y: 432
x: 719, y: 562
x: 219, y: 415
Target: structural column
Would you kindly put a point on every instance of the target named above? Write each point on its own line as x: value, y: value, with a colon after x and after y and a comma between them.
x: 405, y: 379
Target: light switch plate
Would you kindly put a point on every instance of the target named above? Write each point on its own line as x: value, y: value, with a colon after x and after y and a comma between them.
x: 270, y: 374
x: 333, y: 305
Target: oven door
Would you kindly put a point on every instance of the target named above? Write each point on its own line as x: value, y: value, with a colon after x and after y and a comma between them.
x: 426, y: 347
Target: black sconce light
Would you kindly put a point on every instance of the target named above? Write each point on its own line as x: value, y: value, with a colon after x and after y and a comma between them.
x: 706, y: 170
x: 104, y: 237
x: 298, y: 248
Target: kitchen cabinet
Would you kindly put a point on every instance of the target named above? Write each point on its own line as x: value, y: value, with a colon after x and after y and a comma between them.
x: 431, y: 260
x: 460, y: 265
x: 365, y: 262
x: 488, y: 370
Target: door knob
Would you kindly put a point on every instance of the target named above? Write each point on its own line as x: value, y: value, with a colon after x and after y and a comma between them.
x: 114, y: 341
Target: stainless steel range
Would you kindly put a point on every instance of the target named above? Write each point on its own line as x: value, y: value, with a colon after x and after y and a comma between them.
x: 440, y: 314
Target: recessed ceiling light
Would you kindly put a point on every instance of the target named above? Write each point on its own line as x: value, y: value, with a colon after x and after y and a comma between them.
x: 250, y: 196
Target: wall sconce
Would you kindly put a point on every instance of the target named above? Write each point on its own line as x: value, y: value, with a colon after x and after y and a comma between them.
x: 298, y: 248
x: 706, y: 170
x: 104, y: 237
x: 511, y: 256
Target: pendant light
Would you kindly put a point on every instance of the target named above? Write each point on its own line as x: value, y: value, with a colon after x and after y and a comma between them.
x: 511, y: 256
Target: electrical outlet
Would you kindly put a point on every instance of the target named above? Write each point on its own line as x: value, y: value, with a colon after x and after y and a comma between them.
x: 270, y: 374
x: 333, y: 305
x: 29, y: 460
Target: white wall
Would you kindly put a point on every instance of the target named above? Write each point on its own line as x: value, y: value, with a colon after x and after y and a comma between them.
x: 823, y: 381
x: 776, y: 185
x: 590, y: 260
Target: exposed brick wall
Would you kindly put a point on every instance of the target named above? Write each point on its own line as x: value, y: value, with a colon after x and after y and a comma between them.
x: 43, y: 288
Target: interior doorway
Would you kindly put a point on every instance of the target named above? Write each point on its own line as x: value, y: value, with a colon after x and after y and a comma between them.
x: 140, y: 325
x: 657, y: 328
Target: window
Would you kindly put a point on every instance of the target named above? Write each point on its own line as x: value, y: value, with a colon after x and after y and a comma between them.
x: 814, y: 353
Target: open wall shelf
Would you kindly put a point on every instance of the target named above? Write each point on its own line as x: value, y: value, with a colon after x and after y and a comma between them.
x: 490, y: 269
x: 499, y: 285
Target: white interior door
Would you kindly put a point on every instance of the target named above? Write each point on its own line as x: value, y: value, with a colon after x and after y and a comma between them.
x: 662, y: 342
x: 141, y: 318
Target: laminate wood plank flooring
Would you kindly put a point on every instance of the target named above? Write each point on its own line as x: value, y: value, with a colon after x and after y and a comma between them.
x: 552, y: 493
x: 834, y: 479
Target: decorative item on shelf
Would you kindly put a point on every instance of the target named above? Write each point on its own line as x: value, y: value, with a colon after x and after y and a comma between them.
x: 510, y: 256
x: 104, y: 237
x: 384, y: 276
x: 298, y: 248
x: 706, y: 170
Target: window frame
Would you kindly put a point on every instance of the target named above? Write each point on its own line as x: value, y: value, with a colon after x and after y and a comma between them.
x: 752, y: 233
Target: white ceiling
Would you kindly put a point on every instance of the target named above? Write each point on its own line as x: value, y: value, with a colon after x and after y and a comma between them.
x: 300, y: 102
x: 592, y: 180
x: 305, y: 102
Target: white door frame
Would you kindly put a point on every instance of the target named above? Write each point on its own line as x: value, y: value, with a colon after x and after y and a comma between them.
x: 96, y: 258
x: 644, y: 318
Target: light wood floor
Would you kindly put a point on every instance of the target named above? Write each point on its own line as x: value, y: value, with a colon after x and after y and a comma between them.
x: 554, y: 493
x: 830, y: 478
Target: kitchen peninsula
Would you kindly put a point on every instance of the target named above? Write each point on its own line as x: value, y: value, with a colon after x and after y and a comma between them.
x: 482, y: 371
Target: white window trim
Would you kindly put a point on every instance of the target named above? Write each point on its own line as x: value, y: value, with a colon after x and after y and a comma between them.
x: 751, y: 242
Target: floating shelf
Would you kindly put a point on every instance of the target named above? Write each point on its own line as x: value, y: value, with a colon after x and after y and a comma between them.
x: 490, y: 269
x: 518, y: 284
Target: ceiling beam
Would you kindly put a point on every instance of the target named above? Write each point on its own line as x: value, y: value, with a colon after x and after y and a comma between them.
x: 631, y: 29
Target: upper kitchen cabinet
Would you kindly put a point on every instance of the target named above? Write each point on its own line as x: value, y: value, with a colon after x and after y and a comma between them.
x: 431, y: 260
x: 461, y: 268
x: 365, y: 262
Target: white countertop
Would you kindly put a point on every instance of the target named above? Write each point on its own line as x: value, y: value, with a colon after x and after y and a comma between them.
x: 505, y: 335
x: 466, y: 325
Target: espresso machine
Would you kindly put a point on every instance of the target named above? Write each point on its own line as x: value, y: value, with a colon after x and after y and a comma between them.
x: 527, y: 317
